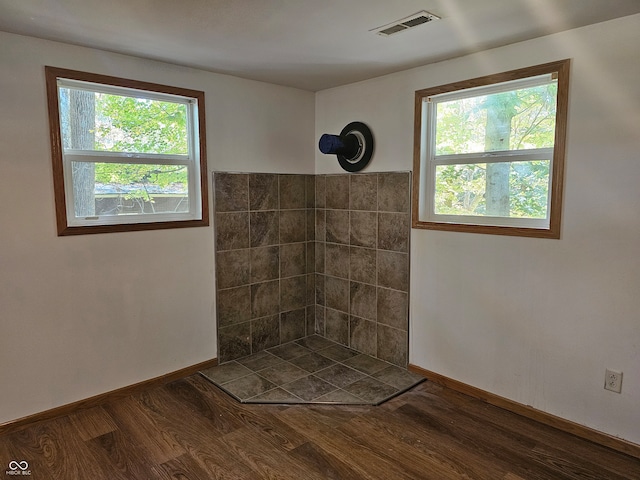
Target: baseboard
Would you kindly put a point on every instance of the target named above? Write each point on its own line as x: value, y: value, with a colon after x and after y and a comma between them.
x: 568, y: 426
x: 24, y: 422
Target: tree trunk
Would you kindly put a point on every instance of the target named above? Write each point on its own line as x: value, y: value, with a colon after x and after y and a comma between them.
x: 82, y: 113
x: 500, y: 111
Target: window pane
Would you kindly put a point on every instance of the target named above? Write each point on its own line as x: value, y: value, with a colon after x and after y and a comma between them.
x: 120, y: 189
x: 461, y: 189
x: 515, y: 120
x: 116, y: 123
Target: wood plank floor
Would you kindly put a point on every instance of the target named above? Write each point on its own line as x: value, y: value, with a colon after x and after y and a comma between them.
x: 189, y: 429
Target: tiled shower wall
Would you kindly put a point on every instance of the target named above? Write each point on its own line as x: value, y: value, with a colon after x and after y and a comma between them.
x: 264, y: 226
x: 362, y: 262
x: 304, y: 254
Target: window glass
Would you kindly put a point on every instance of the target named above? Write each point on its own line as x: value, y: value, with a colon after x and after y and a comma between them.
x: 519, y: 119
x: 121, y: 123
x: 126, y: 189
x: 126, y: 154
x: 460, y: 189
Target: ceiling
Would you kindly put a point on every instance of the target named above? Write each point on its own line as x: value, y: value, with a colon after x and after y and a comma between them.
x: 307, y: 44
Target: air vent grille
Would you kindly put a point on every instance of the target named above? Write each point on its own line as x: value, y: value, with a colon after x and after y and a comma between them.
x: 412, y: 21
x: 392, y: 30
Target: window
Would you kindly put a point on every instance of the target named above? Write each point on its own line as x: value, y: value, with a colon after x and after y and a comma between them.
x: 489, y: 153
x: 127, y: 155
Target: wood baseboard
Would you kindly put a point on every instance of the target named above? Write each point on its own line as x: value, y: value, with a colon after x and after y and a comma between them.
x: 560, y: 423
x: 24, y: 422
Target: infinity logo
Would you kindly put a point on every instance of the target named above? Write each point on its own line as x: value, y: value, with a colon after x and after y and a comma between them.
x: 23, y: 465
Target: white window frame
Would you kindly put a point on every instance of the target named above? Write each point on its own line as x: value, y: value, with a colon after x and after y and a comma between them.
x: 426, y: 161
x: 194, y: 160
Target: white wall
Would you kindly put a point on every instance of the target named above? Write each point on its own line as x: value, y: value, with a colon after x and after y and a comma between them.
x: 533, y: 320
x: 83, y: 315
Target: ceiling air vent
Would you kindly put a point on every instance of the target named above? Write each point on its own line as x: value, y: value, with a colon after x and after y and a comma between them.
x: 411, y: 21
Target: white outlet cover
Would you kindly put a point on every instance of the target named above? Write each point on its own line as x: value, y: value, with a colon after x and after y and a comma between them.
x: 613, y: 380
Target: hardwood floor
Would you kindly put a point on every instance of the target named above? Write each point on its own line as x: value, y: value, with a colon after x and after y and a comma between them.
x: 189, y: 429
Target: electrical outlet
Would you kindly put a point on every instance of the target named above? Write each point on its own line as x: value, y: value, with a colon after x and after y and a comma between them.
x: 613, y: 380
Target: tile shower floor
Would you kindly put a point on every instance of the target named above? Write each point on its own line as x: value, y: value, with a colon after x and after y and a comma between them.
x: 311, y: 370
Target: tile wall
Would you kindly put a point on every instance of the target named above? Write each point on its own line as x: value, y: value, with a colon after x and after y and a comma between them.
x: 304, y: 254
x: 264, y: 225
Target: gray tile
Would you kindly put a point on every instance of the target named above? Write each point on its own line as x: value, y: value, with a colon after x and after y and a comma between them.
x: 337, y: 191
x: 393, y: 270
x: 264, y: 228
x: 263, y: 191
x: 232, y: 268
x: 231, y: 192
x: 362, y: 335
x: 362, y: 299
x: 292, y: 325
x: 371, y: 390
x: 234, y: 342
x: 293, y: 293
x: 277, y: 395
x: 394, y: 192
x: 321, y: 188
x: 282, y: 373
x: 310, y: 319
x: 259, y: 361
x: 364, y: 192
x: 309, y: 388
x: 337, y: 226
x: 337, y: 326
x: 293, y: 226
x: 233, y: 306
x: 265, y: 333
x: 315, y: 342
x: 363, y: 229
x: 264, y: 263
x: 339, y: 375
x: 226, y: 372
x: 321, y: 297
x: 292, y: 191
x: 393, y: 345
x: 320, y: 225
x: 393, y: 231
x: 339, y: 353
x: 265, y: 299
x: 393, y: 308
x: 397, y: 377
x: 311, y: 377
x: 362, y: 264
x: 337, y: 293
x: 289, y: 351
x: 311, y: 292
x: 284, y: 252
x: 293, y: 259
x: 310, y: 257
x: 337, y: 260
x: 320, y: 249
x: 320, y: 319
x: 310, y: 225
x: 232, y: 231
x: 312, y: 362
x: 249, y: 386
x: 366, y: 364
x: 310, y: 186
